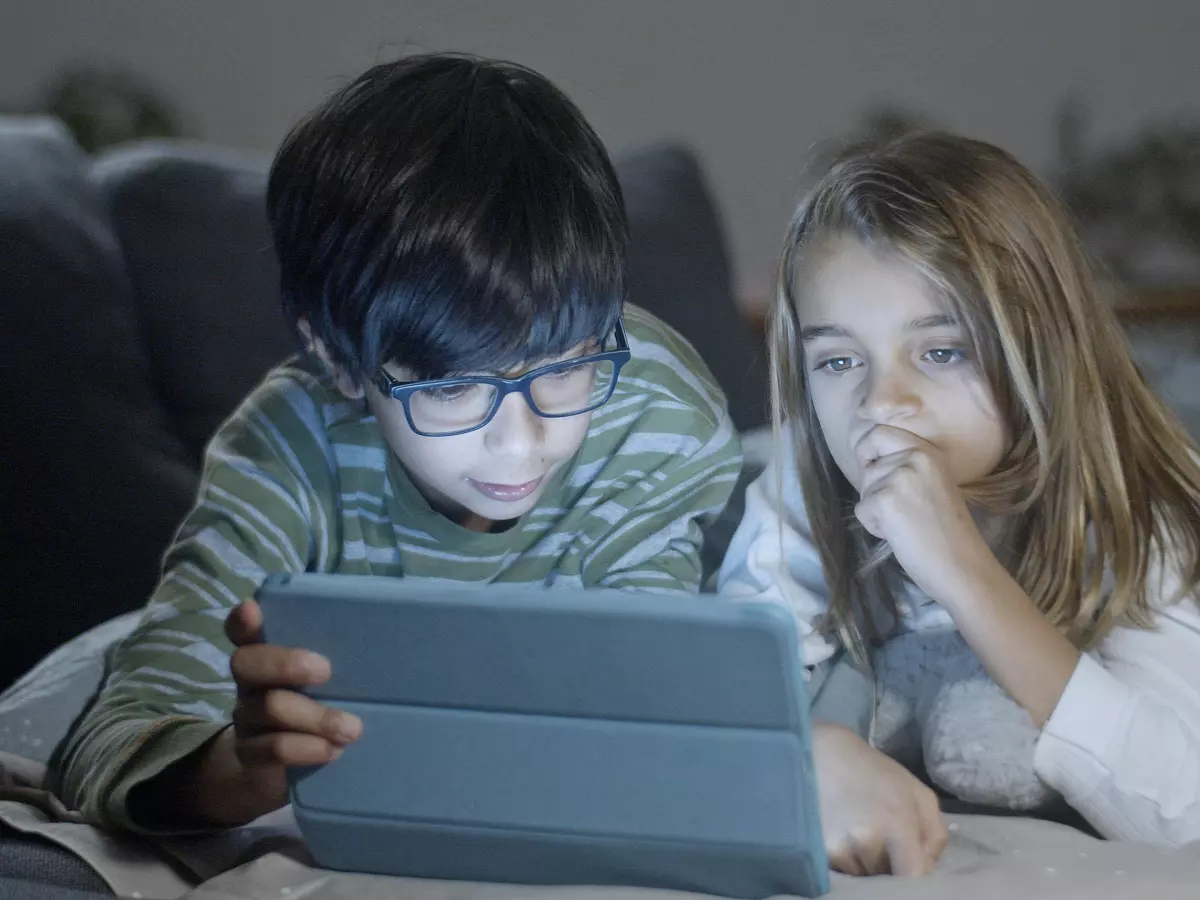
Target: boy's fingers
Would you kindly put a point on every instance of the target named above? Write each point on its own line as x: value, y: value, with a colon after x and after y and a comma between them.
x: 283, y: 748
x: 283, y: 710
x: 243, y: 625
x: 257, y: 666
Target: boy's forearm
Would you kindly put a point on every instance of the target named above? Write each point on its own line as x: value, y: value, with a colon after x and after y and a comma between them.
x: 111, y: 756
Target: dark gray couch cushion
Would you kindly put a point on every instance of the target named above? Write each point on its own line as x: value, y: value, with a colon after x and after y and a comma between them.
x: 93, y: 485
x: 192, y: 223
x: 679, y: 269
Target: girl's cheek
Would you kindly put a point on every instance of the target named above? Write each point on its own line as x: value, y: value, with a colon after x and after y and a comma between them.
x: 981, y: 394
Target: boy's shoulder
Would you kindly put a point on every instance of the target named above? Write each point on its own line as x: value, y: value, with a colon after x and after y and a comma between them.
x: 295, y: 406
x: 666, y: 369
x: 298, y: 386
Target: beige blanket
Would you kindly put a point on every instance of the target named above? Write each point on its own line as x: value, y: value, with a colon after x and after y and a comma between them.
x: 987, y: 859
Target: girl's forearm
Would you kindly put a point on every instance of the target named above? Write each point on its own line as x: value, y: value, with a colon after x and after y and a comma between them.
x: 1017, y: 645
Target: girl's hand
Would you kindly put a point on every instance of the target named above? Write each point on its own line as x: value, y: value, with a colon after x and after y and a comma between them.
x: 876, y: 817
x: 908, y: 499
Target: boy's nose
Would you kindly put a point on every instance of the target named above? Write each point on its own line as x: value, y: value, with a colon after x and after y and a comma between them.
x: 516, y: 429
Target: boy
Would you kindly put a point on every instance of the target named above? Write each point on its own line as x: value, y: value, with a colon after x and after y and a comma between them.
x: 477, y: 405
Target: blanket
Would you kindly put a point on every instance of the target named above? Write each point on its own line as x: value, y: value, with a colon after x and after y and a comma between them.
x: 988, y: 858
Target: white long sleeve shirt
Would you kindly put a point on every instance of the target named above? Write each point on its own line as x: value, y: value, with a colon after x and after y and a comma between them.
x: 1123, y: 744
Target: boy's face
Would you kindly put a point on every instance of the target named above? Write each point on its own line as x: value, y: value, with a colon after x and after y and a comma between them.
x: 492, y: 474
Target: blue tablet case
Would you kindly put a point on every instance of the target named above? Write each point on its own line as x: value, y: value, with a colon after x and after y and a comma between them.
x: 557, y: 736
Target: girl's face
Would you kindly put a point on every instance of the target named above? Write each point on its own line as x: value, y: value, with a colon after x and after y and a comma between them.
x: 880, y: 349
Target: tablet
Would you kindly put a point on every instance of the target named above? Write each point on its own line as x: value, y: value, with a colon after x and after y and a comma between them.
x: 538, y: 735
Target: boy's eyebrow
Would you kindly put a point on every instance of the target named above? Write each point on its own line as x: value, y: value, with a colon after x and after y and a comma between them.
x: 584, y: 349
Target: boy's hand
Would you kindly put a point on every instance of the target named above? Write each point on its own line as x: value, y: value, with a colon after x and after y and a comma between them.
x: 276, y: 725
x: 243, y: 773
x: 876, y: 816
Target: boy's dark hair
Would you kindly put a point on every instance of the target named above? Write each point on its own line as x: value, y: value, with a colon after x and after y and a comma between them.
x: 450, y: 214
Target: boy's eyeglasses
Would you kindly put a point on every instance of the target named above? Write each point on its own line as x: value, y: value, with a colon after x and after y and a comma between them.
x: 448, y: 406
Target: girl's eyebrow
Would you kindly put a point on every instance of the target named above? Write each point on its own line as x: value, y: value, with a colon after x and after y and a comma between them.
x: 939, y: 321
x: 815, y: 332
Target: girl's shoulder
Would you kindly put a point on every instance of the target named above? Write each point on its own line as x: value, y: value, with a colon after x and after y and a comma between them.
x: 1174, y: 638
x: 1169, y: 580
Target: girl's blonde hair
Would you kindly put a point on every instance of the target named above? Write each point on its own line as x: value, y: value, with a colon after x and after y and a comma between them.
x: 1100, y: 477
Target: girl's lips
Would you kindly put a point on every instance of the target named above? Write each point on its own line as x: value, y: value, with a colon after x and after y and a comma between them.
x: 506, y: 493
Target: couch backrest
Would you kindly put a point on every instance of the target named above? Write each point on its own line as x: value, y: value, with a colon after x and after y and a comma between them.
x: 193, y: 232
x: 94, y: 477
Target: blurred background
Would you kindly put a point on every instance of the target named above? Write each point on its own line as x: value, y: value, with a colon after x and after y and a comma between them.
x: 1102, y: 96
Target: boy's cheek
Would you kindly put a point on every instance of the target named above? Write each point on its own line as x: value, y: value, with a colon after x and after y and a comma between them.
x: 573, y: 432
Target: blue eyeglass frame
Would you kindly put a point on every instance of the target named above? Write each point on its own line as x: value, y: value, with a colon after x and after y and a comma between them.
x: 403, y: 390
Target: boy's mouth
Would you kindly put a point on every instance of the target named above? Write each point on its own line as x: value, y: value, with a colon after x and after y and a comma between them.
x: 506, y: 493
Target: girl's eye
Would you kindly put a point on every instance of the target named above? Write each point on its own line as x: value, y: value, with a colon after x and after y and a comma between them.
x: 943, y: 356
x: 837, y: 364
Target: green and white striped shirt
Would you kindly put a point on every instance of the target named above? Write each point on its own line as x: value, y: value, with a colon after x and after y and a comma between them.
x: 300, y: 479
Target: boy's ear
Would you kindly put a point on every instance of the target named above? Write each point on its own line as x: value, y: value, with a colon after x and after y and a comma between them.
x: 341, y: 380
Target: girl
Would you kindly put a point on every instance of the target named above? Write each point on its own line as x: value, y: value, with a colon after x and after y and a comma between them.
x: 968, y: 445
